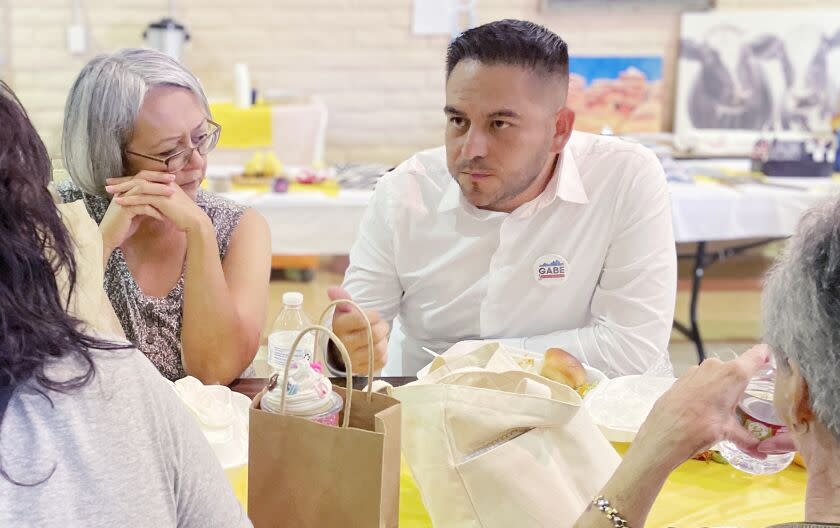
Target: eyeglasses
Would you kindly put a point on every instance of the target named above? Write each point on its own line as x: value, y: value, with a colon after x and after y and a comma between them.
x: 180, y: 159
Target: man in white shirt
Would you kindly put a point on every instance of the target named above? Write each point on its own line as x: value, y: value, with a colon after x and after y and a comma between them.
x: 519, y: 230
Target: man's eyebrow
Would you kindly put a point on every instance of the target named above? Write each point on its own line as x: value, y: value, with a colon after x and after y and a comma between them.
x: 504, y: 113
x: 498, y: 113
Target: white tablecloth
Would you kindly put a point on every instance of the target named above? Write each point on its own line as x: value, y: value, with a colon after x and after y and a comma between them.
x: 710, y: 212
x: 315, y: 224
x: 309, y: 223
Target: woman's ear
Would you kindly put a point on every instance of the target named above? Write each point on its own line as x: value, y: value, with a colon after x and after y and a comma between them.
x: 793, y: 397
x: 801, y: 398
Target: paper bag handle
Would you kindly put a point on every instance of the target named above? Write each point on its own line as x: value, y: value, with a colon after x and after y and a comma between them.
x: 348, y: 395
x: 347, y: 365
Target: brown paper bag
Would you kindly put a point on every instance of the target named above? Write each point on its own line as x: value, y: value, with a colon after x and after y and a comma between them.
x: 304, y: 474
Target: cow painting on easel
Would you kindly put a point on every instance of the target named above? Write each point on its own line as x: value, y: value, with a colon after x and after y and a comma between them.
x: 745, y: 74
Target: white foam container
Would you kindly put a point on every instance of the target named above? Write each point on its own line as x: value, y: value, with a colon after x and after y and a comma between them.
x: 619, y: 406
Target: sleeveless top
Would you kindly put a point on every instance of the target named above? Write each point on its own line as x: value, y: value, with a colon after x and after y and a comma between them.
x: 153, y: 324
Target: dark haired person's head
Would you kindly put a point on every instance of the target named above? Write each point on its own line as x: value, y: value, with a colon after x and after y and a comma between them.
x: 35, y: 328
x: 506, y: 85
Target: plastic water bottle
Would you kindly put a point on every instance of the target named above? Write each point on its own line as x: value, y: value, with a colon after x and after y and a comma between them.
x: 758, y: 415
x: 287, y: 326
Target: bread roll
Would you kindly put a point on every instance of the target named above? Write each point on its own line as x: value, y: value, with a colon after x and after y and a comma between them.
x: 562, y: 367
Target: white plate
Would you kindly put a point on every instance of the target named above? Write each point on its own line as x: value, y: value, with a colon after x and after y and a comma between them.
x: 619, y: 406
x: 594, y: 377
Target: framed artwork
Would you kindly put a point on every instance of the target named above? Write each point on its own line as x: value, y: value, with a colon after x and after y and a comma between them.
x: 558, y: 5
x: 743, y: 76
x: 622, y: 95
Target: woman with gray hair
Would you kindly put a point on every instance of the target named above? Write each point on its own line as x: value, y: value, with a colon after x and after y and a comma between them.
x: 186, y: 270
x: 801, y: 310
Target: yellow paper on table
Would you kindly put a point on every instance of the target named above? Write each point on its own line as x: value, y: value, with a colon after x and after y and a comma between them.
x: 328, y: 187
x: 243, y: 128
x: 412, y: 512
x: 696, y: 494
x: 699, y: 178
x: 238, y: 478
x: 261, y: 185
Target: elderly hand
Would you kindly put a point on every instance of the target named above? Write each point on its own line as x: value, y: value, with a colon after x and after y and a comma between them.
x: 779, y: 444
x: 699, y: 410
x: 151, y: 193
x: 349, y: 325
x: 121, y: 221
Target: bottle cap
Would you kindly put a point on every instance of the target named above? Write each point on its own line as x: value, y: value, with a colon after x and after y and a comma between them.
x: 293, y: 298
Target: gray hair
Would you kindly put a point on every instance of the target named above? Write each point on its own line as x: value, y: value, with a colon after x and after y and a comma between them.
x: 801, y: 309
x: 102, y: 108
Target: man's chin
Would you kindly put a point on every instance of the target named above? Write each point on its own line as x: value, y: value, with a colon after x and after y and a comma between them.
x: 472, y: 194
x: 478, y: 200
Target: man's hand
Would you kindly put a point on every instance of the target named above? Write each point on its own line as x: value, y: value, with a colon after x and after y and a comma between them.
x: 349, y: 325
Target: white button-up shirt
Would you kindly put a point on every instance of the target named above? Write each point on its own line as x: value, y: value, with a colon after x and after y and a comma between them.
x: 589, y: 265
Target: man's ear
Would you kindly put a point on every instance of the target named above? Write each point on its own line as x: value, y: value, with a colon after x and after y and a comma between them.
x: 564, y: 122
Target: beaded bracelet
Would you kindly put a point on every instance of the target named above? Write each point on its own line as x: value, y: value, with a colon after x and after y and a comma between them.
x: 603, y: 504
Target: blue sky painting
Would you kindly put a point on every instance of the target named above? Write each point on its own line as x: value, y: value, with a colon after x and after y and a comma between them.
x: 604, y: 67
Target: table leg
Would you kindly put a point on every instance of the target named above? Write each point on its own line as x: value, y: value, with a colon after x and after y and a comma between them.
x: 701, y: 261
x: 699, y: 269
x: 692, y: 331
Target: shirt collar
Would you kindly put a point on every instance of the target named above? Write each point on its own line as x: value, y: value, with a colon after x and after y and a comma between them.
x: 569, y: 186
x: 451, y: 198
x: 565, y: 184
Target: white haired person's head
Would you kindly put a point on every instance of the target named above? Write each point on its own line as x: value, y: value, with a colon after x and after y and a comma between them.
x: 801, y: 313
x: 102, y: 110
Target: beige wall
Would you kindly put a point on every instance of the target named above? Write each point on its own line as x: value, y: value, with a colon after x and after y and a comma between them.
x: 383, y: 85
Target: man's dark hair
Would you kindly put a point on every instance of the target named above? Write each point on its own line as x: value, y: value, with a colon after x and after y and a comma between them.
x: 513, y: 42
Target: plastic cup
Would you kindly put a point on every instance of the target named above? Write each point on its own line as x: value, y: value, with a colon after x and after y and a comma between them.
x: 330, y: 416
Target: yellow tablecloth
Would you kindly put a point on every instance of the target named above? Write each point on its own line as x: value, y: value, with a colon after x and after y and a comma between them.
x: 697, y: 494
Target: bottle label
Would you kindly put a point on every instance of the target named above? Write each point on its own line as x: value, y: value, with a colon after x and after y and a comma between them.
x: 757, y: 417
x: 280, y: 343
